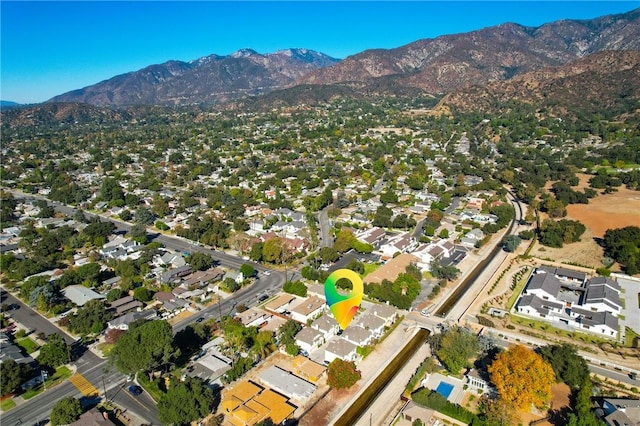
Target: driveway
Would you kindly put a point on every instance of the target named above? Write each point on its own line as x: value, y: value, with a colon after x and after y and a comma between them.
x: 631, y: 310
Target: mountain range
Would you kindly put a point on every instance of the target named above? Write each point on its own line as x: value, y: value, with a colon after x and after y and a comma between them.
x: 430, y: 66
x: 209, y: 80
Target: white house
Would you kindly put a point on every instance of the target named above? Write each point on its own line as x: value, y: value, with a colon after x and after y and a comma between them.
x: 372, y: 324
x: 357, y: 335
x: 327, y: 325
x: 309, y: 339
x: 252, y: 317
x: 340, y: 348
x: 308, y: 309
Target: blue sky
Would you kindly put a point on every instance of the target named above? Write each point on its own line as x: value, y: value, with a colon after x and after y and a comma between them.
x: 48, y: 48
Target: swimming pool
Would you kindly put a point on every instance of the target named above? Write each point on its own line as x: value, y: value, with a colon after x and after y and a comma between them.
x: 444, y: 389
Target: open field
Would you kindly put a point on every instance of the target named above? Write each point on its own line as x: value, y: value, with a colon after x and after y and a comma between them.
x: 584, y: 252
x: 615, y: 210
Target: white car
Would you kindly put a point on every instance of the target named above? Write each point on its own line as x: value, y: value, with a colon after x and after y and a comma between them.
x: 267, y: 273
x: 424, y: 313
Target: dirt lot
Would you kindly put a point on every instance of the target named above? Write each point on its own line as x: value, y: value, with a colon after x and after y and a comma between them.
x: 615, y: 210
x: 585, y: 252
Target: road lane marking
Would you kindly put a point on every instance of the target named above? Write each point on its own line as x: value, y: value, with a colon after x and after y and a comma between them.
x: 83, y: 385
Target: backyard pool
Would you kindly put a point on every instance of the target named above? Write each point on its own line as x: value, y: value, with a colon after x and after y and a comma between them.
x: 444, y: 389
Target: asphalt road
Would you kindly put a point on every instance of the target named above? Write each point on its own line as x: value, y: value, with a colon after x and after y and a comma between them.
x: 325, y: 229
x: 27, y: 316
x: 95, y: 370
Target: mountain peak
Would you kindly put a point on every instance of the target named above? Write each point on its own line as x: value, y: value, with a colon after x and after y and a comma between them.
x: 244, y: 53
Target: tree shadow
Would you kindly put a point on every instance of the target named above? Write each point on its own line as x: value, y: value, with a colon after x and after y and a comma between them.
x: 559, y: 417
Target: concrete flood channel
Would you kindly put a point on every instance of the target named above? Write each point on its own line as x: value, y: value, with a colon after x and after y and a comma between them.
x: 470, y: 279
x: 355, y: 411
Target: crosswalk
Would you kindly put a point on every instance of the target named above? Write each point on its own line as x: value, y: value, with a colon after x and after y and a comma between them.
x: 83, y: 385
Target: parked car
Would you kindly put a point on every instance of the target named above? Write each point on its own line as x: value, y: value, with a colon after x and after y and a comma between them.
x: 263, y: 298
x: 134, y: 390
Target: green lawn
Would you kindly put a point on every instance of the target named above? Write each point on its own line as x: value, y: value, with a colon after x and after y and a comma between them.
x: 105, y: 348
x: 28, y: 345
x: 518, y: 290
x: 629, y: 337
x: 547, y: 327
x: 62, y: 373
x: 7, y: 404
x: 369, y: 268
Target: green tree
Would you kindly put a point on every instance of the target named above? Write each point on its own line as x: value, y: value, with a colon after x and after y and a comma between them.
x: 511, y: 243
x: 54, y: 353
x: 138, y: 233
x: 200, y: 261
x: 143, y: 294
x: 144, y: 216
x: 91, y: 318
x: 185, y: 402
x: 66, y: 411
x: 256, y: 252
x: 295, y: 287
x: 12, y: 375
x: 583, y: 415
x: 115, y: 294
x: 388, y: 197
x: 457, y: 347
x: 623, y: 245
x: 568, y: 365
x: 328, y: 254
x: 342, y: 374
x: 287, y: 332
x: 263, y: 344
x: 144, y: 347
x: 247, y: 270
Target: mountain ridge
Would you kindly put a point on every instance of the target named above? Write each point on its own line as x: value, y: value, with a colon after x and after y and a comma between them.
x: 434, y: 66
x: 207, y: 80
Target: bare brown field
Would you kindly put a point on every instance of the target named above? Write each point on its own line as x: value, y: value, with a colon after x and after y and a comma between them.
x: 584, y: 252
x: 617, y: 210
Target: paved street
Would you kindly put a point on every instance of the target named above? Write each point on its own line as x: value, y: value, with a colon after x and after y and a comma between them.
x: 33, y: 320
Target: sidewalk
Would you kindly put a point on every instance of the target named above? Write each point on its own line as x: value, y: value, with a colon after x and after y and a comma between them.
x: 335, y: 402
x: 377, y: 361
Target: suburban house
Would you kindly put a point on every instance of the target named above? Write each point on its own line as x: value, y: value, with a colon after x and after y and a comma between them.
x: 173, y: 274
x: 310, y: 308
x: 326, y: 325
x: 122, y: 322
x: 412, y: 412
x: 618, y: 411
x: 252, y: 317
x: 340, y: 348
x: 308, y: 370
x: 372, y: 324
x: 124, y: 305
x: 565, y: 296
x: 357, y: 335
x: 286, y: 383
x: 281, y: 304
x: 374, y: 236
x: 202, y: 278
x: 246, y: 404
x: 387, y: 313
x: 237, y: 276
x: 476, y: 382
x: 309, y: 339
x: 80, y: 295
